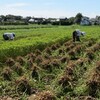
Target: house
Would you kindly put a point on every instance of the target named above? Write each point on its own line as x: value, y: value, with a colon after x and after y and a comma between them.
x: 63, y: 19
x: 53, y: 19
x: 0, y: 19
x: 36, y: 20
x: 98, y: 20
x: 85, y: 21
x: 31, y: 20
x: 95, y: 21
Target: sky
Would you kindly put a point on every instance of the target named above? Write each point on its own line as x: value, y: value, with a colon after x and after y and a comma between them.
x: 50, y: 8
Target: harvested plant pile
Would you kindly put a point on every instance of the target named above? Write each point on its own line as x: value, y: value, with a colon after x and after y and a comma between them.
x: 68, y: 71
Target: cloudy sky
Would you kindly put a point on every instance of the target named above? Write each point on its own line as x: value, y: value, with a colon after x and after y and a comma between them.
x: 50, y: 8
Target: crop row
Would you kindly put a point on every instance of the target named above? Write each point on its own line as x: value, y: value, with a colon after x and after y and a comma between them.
x: 28, y: 40
x: 57, y: 69
x: 29, y: 44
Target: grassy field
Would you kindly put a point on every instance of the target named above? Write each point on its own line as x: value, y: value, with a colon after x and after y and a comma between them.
x: 44, y: 64
x: 29, y: 39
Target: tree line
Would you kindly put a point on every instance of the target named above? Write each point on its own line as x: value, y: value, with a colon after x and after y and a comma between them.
x: 19, y: 20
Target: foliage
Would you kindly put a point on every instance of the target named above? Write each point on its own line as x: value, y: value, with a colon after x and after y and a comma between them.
x: 78, y: 18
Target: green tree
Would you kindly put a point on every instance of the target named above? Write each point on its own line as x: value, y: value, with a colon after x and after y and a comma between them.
x: 71, y: 20
x: 78, y: 18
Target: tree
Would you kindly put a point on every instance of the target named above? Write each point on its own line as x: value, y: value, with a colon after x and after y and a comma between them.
x: 2, y: 18
x: 18, y: 17
x: 78, y: 18
x: 71, y: 20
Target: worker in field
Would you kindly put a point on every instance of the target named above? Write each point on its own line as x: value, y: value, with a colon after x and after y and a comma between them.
x: 76, y: 35
x: 9, y: 36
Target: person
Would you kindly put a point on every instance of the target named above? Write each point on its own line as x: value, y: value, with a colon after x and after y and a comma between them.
x: 9, y: 36
x: 76, y: 35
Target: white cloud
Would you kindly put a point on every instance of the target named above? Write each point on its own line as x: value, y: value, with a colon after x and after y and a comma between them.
x: 42, y: 13
x: 15, y: 9
x: 15, y: 5
x: 21, y: 9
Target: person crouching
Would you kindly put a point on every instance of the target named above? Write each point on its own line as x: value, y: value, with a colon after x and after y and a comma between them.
x: 76, y: 35
x: 9, y: 36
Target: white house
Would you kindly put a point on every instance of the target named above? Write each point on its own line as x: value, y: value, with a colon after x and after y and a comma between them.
x: 31, y: 20
x: 53, y: 19
x: 85, y: 21
x: 95, y: 21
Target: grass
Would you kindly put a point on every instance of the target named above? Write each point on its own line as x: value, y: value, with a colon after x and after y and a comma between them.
x: 29, y: 39
x: 53, y: 72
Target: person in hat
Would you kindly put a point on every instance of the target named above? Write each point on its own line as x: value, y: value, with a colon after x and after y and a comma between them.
x: 9, y: 36
x: 76, y: 35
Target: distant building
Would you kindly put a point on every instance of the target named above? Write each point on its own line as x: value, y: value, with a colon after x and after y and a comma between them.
x: 85, y: 21
x: 37, y: 20
x: 31, y: 20
x: 63, y: 19
x: 53, y: 19
x: 95, y: 21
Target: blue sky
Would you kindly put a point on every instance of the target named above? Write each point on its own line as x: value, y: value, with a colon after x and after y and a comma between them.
x: 50, y: 8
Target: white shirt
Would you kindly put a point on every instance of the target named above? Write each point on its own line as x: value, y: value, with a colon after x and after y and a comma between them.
x: 79, y: 33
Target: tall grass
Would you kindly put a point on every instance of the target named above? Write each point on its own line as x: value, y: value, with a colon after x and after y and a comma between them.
x: 27, y: 40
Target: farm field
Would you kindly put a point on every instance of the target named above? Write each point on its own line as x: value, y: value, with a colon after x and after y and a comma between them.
x: 44, y: 64
x: 27, y: 40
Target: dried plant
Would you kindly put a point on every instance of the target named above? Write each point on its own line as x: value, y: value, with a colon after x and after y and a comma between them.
x: 18, y: 68
x: 45, y: 95
x: 7, y: 73
x: 20, y: 60
x: 90, y: 54
x: 37, y: 52
x: 23, y: 86
x: 10, y: 62
x: 48, y: 50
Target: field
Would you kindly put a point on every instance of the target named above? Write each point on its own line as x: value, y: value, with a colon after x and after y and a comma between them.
x: 43, y: 63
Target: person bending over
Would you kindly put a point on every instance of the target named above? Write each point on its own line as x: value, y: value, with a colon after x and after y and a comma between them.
x: 76, y: 35
x: 9, y: 36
